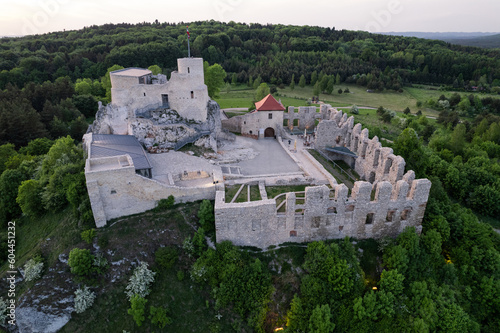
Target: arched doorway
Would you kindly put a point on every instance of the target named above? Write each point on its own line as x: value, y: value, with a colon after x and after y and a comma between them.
x: 269, y: 132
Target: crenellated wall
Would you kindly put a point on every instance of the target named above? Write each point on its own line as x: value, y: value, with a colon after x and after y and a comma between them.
x: 324, y: 214
x: 385, y: 202
x: 374, y: 163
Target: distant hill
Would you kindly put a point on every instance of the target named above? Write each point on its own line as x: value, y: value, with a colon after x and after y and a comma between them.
x: 487, y: 40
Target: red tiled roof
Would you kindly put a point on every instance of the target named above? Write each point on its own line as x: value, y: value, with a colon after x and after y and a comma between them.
x: 269, y: 103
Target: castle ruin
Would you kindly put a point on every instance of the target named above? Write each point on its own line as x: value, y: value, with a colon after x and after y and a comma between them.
x: 132, y: 163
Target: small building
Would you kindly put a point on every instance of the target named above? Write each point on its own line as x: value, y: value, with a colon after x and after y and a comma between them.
x: 109, y: 145
x: 266, y: 121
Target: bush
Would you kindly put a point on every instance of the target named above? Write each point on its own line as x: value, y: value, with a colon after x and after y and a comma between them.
x: 80, y: 261
x: 33, y: 269
x: 88, y: 235
x: 100, y: 263
x: 140, y: 281
x: 84, y: 298
x: 188, y: 247
x: 159, y: 316
x: 137, y: 309
x: 206, y: 215
x: 180, y: 275
x: 165, y: 257
x: 354, y: 109
x: 164, y: 204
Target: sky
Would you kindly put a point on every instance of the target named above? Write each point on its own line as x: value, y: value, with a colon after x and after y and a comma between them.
x: 22, y: 17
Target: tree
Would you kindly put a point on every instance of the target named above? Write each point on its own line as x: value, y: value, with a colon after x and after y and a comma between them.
x: 214, y: 79
x: 262, y: 91
x: 354, y: 109
x: 137, y: 309
x: 314, y: 78
x: 234, y: 79
x: 320, y: 320
x: 410, y: 147
x: 155, y: 69
x: 106, y: 80
x: 29, y: 198
x: 302, y: 81
x: 37, y: 147
x: 324, y: 82
x: 407, y: 110
x: 80, y: 262
x: 457, y: 139
x: 292, y: 82
x: 337, y: 79
x: 10, y: 180
x: 257, y: 82
x: 6, y: 151
x: 340, y: 91
x: 329, y: 86
x: 317, y: 89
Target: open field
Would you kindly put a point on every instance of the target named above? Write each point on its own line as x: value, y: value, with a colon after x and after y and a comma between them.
x: 242, y: 96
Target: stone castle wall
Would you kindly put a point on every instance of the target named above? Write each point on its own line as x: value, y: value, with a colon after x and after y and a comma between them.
x: 115, y: 189
x: 186, y: 90
x: 383, y: 205
x: 324, y: 214
x: 306, y: 117
x: 374, y: 163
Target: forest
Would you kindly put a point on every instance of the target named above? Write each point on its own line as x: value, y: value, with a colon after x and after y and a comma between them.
x: 445, y: 280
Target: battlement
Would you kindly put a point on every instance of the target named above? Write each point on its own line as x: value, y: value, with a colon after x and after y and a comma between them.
x: 382, y: 204
x: 374, y: 163
x: 371, y: 211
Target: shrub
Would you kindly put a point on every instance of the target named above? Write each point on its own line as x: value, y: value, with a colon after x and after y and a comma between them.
x: 206, y: 215
x: 100, y: 263
x: 164, y: 204
x: 33, y: 269
x: 137, y: 308
x: 80, y: 261
x: 180, y: 275
x: 354, y: 109
x: 188, y: 247
x: 84, y: 298
x: 140, y: 281
x: 166, y: 256
x: 159, y: 316
x: 88, y: 235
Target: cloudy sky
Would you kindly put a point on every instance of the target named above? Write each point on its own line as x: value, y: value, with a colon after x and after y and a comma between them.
x: 20, y: 17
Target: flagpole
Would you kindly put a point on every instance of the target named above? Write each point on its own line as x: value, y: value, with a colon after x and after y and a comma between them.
x: 189, y: 48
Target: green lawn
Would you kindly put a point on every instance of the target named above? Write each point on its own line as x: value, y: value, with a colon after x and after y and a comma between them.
x: 241, y: 96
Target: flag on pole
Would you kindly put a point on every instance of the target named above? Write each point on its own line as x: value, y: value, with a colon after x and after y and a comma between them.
x: 187, y: 31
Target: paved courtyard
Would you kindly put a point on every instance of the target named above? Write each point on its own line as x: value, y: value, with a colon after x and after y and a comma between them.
x: 271, y: 159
